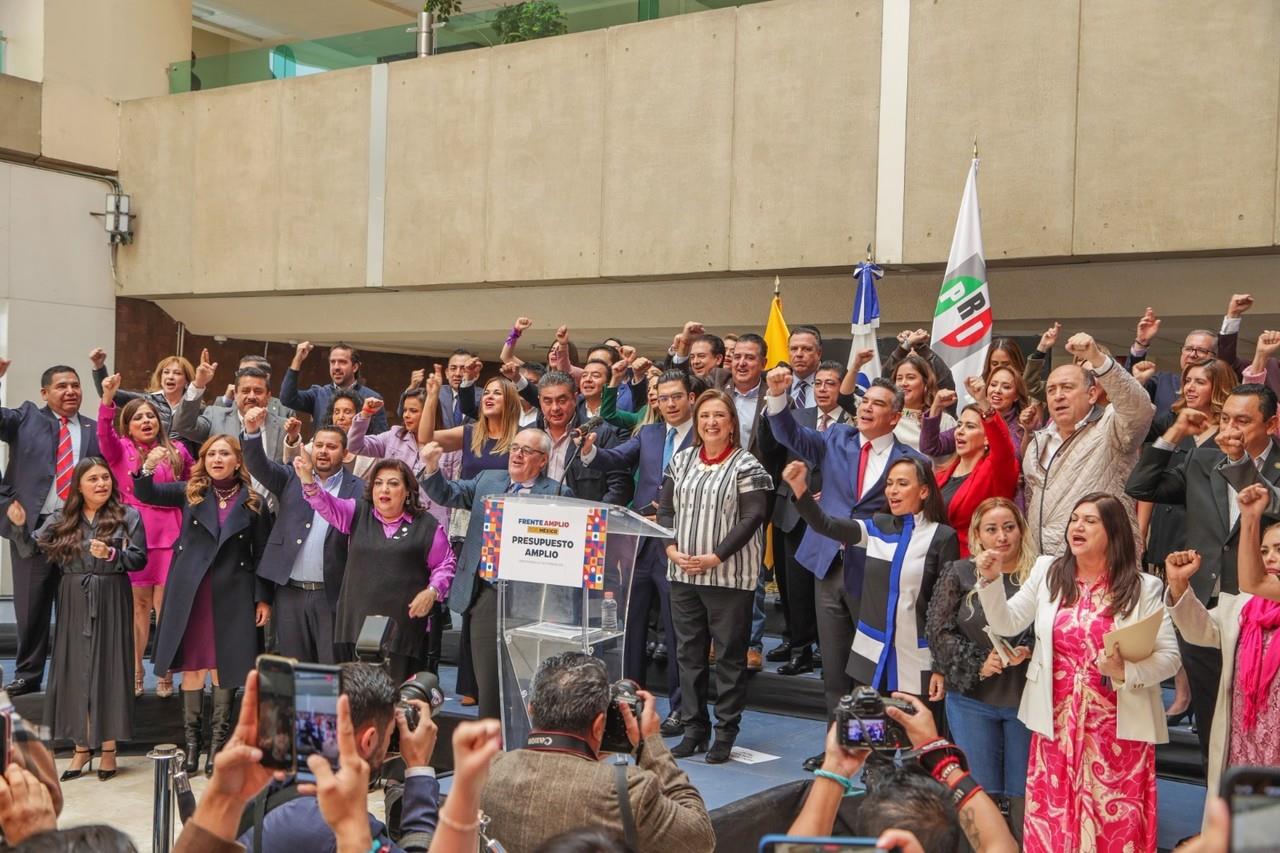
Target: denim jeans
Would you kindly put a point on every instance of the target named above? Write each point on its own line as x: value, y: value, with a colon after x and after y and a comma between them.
x: 994, y: 740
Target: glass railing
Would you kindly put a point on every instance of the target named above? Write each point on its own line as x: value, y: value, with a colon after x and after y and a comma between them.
x: 463, y: 32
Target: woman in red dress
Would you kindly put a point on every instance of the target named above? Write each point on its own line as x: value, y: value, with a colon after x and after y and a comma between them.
x: 1095, y: 716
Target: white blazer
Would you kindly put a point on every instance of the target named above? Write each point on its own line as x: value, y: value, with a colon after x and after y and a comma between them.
x: 1218, y: 628
x: 1140, y: 707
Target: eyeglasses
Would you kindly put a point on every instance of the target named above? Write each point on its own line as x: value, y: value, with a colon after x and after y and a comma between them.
x: 521, y: 450
x: 1201, y: 351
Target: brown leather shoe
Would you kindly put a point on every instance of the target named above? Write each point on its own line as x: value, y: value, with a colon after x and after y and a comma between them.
x: 755, y: 660
x: 468, y: 700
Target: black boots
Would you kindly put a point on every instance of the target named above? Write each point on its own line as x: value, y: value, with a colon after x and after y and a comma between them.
x: 223, y: 699
x: 193, y: 727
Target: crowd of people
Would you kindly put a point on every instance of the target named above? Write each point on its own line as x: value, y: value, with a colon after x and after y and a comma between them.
x: 965, y: 543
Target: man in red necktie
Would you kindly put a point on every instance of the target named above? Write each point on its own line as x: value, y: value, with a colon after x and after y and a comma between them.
x: 45, y: 443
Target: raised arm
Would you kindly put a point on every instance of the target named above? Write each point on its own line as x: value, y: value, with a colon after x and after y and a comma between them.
x: 1009, y: 617
x: 109, y: 443
x: 455, y: 493
x: 934, y: 440
x: 849, y: 531
x: 521, y: 325
x: 1252, y: 575
x: 1133, y: 407
x: 149, y: 491
x: 290, y: 394
x: 187, y: 421
x: 270, y: 473
x: 339, y: 512
x: 358, y: 439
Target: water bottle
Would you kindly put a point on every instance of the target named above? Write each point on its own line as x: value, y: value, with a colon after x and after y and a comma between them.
x: 609, y: 612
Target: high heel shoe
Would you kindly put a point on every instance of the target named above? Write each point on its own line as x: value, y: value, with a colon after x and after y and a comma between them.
x: 137, y: 686
x: 77, y: 772
x: 104, y: 775
x: 691, y: 745
x: 164, y: 687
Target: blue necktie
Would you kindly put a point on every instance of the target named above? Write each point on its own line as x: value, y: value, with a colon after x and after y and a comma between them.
x: 514, y: 488
x: 669, y: 448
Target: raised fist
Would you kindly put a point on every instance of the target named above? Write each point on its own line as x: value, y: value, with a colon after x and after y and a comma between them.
x: 796, y: 475
x: 862, y: 358
x: 435, y: 380
x: 254, y: 419
x: 371, y: 407
x: 1181, y: 565
x: 304, y: 349
x: 430, y: 455
x: 779, y: 380
x: 1268, y: 343
x: 473, y: 368
x: 944, y: 399
x: 1144, y: 370
x: 157, y: 455
x: 110, y: 386
x: 1082, y: 346
x: 98, y: 357
x: 417, y: 378
x: 292, y: 429
x: 523, y: 324
x: 1239, y: 304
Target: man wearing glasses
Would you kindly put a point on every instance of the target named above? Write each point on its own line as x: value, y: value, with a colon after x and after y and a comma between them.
x: 525, y: 475
x: 1200, y: 344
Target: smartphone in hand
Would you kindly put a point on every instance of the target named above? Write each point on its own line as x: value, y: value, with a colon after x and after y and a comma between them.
x: 276, y: 712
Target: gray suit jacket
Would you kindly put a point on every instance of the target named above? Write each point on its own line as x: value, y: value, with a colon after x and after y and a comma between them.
x: 470, y: 494
x: 197, y: 425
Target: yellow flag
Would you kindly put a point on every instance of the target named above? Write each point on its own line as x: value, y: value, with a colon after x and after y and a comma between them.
x: 776, y: 335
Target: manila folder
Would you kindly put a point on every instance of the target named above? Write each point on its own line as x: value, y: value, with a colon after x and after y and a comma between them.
x: 1136, y: 641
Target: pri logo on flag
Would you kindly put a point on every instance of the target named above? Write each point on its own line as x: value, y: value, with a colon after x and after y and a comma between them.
x: 963, y: 307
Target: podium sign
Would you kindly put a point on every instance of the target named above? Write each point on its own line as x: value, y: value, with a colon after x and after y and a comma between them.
x: 562, y: 568
x: 556, y: 544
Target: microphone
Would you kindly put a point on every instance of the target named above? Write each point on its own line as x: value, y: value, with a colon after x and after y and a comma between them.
x: 581, y: 433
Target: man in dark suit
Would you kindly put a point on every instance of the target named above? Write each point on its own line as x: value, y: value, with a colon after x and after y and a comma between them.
x: 451, y: 402
x: 305, y: 557
x: 561, y: 418
x: 471, y: 593
x: 702, y: 354
x: 647, y: 453
x: 1244, y: 452
x: 854, y: 460
x: 790, y: 527
x: 45, y: 443
x: 344, y: 370
x: 296, y: 824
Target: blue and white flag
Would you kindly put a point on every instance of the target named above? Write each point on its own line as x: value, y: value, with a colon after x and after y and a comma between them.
x: 865, y: 321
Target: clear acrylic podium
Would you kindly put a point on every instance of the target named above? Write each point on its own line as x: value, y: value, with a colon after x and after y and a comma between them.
x: 539, y: 619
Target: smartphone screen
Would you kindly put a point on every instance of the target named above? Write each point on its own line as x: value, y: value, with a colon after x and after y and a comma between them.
x: 275, y: 712
x: 1253, y: 795
x: 316, y: 689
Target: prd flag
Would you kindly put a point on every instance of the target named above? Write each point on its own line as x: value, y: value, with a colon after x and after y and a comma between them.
x: 962, y: 319
x: 865, y: 321
x: 777, y: 337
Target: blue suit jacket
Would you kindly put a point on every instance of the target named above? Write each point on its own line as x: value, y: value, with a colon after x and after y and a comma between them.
x: 470, y: 494
x: 297, y: 825
x: 315, y: 400
x: 643, y: 453
x: 294, y: 519
x: 837, y: 451
x: 31, y: 432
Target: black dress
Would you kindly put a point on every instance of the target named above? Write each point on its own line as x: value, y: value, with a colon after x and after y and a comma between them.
x: 383, y: 575
x: 90, y: 695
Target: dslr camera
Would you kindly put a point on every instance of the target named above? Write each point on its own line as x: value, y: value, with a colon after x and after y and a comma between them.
x: 861, y: 722
x: 621, y: 692
x: 376, y: 633
x: 425, y: 686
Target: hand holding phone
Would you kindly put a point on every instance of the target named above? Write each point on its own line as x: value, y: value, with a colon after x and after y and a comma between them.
x: 1253, y: 798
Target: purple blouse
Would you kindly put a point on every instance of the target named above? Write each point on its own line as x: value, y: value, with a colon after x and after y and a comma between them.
x: 339, y: 512
x: 937, y: 442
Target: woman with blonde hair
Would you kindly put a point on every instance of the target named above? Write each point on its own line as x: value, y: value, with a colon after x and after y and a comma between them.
x: 165, y: 388
x: 485, y: 444
x: 215, y: 601
x: 983, y: 685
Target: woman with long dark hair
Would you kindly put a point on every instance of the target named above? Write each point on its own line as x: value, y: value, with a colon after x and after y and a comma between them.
x: 399, y: 563
x: 1095, y: 717
x: 214, y: 601
x: 95, y: 539
x: 906, y: 549
x: 126, y: 436
x: 715, y: 497
x: 919, y: 386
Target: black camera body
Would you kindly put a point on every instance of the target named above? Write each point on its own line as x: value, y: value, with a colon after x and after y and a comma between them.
x: 621, y: 692
x: 861, y: 722
x: 425, y: 687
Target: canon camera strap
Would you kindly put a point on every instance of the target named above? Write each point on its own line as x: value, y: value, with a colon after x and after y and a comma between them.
x: 560, y: 742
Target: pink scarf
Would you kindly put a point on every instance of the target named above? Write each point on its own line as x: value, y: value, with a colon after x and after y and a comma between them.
x: 1256, y: 670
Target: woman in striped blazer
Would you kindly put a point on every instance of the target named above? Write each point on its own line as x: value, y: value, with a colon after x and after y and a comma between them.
x: 715, y: 495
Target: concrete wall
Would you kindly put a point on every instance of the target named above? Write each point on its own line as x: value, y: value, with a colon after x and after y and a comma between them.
x: 56, y: 293
x: 721, y: 143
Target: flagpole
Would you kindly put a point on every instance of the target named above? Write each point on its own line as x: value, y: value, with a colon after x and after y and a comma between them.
x: 777, y: 285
